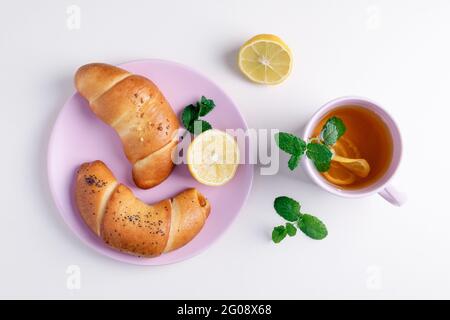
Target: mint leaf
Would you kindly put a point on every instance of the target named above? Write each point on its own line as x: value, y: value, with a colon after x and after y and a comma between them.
x: 333, y: 129
x: 293, y: 162
x: 299, y: 146
x: 290, y: 143
x: 287, y: 208
x: 291, y: 229
x: 189, y: 115
x: 312, y: 227
x: 329, y: 134
x: 278, y: 234
x: 320, y: 155
x: 205, y: 106
x: 199, y: 126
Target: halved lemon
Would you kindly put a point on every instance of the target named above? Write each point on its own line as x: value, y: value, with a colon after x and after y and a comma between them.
x: 213, y: 157
x: 265, y: 59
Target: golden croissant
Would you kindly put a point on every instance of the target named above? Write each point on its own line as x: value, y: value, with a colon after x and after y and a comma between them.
x: 138, y: 111
x: 125, y: 223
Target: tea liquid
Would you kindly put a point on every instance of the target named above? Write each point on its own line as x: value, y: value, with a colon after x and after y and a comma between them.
x: 367, y: 137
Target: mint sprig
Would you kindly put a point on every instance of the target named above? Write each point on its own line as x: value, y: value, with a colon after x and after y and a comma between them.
x: 191, y: 114
x: 318, y: 149
x: 289, y: 209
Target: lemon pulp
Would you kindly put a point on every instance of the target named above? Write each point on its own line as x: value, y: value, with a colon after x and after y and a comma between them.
x: 265, y: 59
x: 213, y: 157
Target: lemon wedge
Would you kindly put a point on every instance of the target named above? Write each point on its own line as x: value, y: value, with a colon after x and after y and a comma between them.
x: 213, y: 157
x: 346, y: 148
x: 360, y: 167
x: 348, y: 156
x: 339, y: 175
x: 265, y: 59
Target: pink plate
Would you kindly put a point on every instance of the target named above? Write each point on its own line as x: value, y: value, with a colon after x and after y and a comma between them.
x: 79, y: 136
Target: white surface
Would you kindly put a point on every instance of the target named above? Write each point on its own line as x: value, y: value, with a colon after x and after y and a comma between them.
x: 395, y: 52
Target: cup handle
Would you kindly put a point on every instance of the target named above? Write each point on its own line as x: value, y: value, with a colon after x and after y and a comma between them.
x: 392, y: 195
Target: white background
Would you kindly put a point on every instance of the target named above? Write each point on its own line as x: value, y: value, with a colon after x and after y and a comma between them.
x: 395, y: 52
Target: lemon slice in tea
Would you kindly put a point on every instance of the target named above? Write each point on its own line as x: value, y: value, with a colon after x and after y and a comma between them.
x: 339, y: 175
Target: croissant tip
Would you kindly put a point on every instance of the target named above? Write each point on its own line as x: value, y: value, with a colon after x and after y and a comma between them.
x: 203, y: 201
